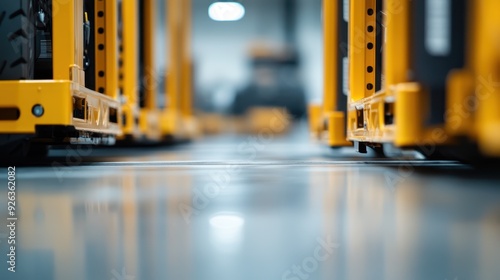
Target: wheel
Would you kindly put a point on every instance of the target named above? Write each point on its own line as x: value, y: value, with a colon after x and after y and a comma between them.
x: 17, y: 37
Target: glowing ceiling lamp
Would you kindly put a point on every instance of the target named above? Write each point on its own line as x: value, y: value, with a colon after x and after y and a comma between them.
x: 226, y: 11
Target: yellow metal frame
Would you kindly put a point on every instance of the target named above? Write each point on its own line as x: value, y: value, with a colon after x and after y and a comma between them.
x: 478, y: 83
x: 473, y: 99
x: 326, y: 123
x: 408, y: 100
x: 475, y: 83
x: 129, y: 68
x: 189, y: 123
x: 66, y: 100
x: 176, y: 118
x: 365, y: 106
x: 66, y: 92
x: 182, y: 122
x: 150, y: 115
x: 106, y: 73
x: 365, y: 116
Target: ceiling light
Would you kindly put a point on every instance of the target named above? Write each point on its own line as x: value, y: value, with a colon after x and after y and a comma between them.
x: 226, y: 11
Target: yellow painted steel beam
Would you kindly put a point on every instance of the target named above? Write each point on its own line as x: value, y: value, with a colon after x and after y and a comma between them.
x: 186, y: 92
x: 148, y: 45
x: 315, y: 116
x: 397, y: 42
x: 173, y: 78
x: 65, y: 39
x: 325, y: 122
x: 371, y: 47
x: 130, y: 51
x: 100, y: 47
x: 357, y: 49
x: 106, y: 47
x: 459, y: 120
x: 58, y: 98
x: 111, y: 49
x: 486, y: 65
x: 149, y: 117
x: 129, y: 58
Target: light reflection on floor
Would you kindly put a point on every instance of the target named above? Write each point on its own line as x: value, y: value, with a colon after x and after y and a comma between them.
x: 293, y: 211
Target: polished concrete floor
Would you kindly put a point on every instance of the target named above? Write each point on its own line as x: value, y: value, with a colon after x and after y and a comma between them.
x: 250, y: 207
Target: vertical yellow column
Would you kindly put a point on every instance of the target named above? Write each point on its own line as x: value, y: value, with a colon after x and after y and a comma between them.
x: 397, y: 43
x: 149, y: 18
x: 111, y: 48
x: 459, y: 89
x: 101, y: 47
x: 187, y: 90
x: 130, y: 51
x: 487, y: 70
x: 173, y: 77
x: 357, y: 47
x: 65, y: 39
x: 370, y: 13
x: 335, y: 121
x: 396, y: 60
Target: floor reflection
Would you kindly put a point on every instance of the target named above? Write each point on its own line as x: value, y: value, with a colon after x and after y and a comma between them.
x: 274, y: 221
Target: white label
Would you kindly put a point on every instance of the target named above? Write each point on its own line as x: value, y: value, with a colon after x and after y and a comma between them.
x: 45, y: 48
x: 346, y: 10
x: 438, y: 27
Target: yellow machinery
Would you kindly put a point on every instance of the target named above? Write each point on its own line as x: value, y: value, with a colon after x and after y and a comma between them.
x: 328, y: 121
x: 418, y: 74
x: 83, y: 72
x: 153, y: 112
x: 63, y: 106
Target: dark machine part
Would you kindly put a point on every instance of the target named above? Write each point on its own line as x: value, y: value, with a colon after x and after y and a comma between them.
x: 120, y: 49
x: 438, y: 46
x: 17, y: 31
x: 284, y: 90
x: 89, y: 42
x: 379, y: 42
x: 142, y: 55
x: 43, y: 39
x: 342, y: 56
x: 87, y: 31
x: 27, y: 48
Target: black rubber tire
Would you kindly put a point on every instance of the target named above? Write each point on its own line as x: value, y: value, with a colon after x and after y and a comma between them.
x: 17, y: 37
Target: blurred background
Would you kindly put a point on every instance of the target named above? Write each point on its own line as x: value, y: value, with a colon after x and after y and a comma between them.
x: 272, y: 56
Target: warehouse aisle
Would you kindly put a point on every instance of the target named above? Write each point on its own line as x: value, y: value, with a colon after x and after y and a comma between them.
x: 250, y: 207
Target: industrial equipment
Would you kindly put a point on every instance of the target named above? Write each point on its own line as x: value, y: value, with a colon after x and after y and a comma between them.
x: 83, y: 72
x: 418, y: 74
x: 157, y: 90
